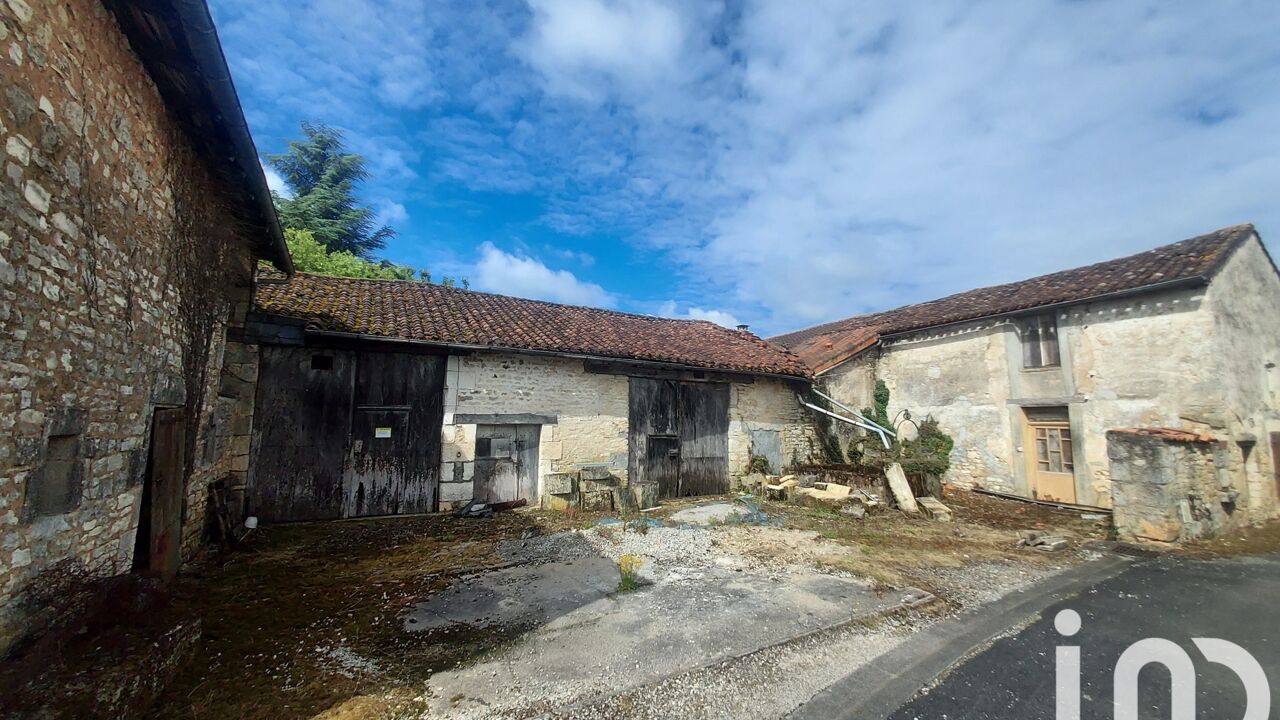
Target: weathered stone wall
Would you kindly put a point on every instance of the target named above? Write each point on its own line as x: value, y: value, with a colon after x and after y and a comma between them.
x: 90, y: 320
x: 1244, y: 301
x: 768, y: 405
x: 1168, y: 490
x: 590, y: 410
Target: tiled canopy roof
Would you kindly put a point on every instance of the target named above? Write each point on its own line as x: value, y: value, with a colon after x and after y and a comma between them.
x: 1197, y: 259
x: 449, y: 316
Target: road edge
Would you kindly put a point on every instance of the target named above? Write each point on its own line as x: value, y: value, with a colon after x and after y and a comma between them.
x: 879, y: 688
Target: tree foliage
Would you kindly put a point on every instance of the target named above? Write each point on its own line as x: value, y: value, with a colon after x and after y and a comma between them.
x: 323, y: 176
x: 309, y: 255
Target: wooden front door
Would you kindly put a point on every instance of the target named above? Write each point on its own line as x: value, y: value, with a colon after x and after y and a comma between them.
x: 704, y: 438
x: 1051, y: 469
x: 159, y: 542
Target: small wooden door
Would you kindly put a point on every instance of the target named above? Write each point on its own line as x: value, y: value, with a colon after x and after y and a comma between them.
x: 159, y: 542
x: 379, y: 455
x: 1050, y: 465
x: 506, y: 463
x: 663, y: 464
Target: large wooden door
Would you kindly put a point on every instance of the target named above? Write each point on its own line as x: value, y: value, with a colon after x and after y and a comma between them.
x: 689, y: 418
x: 393, y: 464
x: 1050, y: 465
x: 159, y: 542
x: 704, y: 438
x: 301, y: 430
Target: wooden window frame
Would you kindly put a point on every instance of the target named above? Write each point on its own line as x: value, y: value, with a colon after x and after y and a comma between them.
x: 1040, y: 350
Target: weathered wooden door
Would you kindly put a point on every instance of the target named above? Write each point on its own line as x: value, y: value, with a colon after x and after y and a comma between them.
x: 691, y: 418
x: 393, y: 463
x: 506, y: 463
x: 704, y: 438
x: 163, y: 494
x: 1051, y: 469
x: 301, y: 432
x: 663, y: 464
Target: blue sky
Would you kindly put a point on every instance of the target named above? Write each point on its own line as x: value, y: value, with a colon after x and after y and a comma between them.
x: 778, y: 164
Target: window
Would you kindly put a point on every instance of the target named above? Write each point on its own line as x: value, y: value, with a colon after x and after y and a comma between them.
x: 321, y: 362
x: 55, y: 489
x: 1053, y: 449
x: 1040, y: 342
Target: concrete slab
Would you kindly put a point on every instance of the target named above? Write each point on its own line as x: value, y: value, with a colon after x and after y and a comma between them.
x: 709, y: 514
x: 592, y: 641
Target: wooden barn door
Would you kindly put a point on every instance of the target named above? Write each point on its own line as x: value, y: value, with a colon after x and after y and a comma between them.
x: 679, y: 437
x: 704, y: 438
x: 393, y: 465
x: 301, y: 429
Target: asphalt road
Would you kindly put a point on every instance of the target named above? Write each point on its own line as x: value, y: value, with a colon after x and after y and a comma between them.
x: 1014, y: 678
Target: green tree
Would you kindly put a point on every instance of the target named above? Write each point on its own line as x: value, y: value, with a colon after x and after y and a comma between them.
x: 309, y: 255
x: 323, y: 176
x: 312, y: 257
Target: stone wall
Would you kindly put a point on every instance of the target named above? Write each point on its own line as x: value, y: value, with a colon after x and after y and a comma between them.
x: 1168, y: 486
x: 768, y: 406
x: 93, y: 340
x: 1243, y: 302
x: 590, y: 412
x: 590, y: 415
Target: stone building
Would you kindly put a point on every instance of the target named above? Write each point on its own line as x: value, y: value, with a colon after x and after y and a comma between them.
x: 132, y: 212
x: 1029, y: 377
x: 382, y: 397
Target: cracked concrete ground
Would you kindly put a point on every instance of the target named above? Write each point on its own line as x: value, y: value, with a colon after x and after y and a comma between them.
x: 591, y: 641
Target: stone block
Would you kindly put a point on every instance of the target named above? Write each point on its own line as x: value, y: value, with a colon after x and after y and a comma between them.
x: 560, y: 483
x: 934, y: 509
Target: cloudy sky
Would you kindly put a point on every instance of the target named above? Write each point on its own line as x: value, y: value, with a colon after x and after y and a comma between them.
x: 776, y: 163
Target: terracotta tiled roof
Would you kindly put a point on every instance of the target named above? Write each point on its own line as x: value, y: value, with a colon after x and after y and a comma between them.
x: 451, y: 316
x: 825, y: 346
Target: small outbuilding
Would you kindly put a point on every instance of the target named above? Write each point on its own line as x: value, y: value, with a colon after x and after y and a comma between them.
x: 381, y: 397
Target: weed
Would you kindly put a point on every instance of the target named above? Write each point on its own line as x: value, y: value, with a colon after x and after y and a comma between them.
x: 628, y: 565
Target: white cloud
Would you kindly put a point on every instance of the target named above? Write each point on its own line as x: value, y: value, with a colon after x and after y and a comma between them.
x: 392, y: 213
x: 583, y: 46
x: 523, y: 276
x: 719, y: 317
x: 276, y: 183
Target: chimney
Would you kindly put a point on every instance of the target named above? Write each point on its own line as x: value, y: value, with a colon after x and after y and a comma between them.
x: 743, y: 328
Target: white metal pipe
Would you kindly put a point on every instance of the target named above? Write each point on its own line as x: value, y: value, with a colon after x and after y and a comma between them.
x: 873, y: 428
x: 852, y: 412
